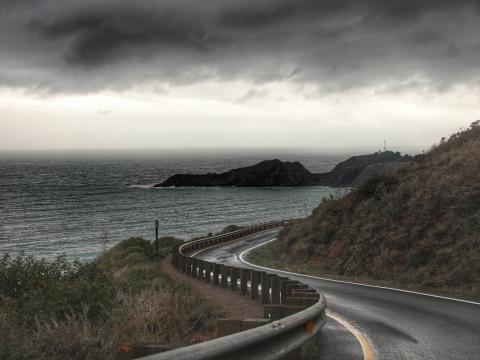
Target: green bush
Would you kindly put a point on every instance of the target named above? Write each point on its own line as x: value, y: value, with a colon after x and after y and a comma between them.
x: 35, y: 288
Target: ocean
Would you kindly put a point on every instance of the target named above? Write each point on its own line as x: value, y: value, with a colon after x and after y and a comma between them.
x: 73, y: 202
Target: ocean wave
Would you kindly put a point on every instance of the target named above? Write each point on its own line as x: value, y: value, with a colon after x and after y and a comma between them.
x: 142, y: 186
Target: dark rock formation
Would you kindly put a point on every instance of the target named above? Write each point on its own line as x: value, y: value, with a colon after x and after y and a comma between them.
x: 265, y: 173
x: 280, y: 173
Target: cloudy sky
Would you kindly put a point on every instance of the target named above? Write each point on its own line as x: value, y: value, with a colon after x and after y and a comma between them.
x: 229, y: 73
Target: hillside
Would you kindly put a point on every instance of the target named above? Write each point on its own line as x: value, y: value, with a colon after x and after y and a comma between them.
x: 415, y: 226
x: 347, y: 172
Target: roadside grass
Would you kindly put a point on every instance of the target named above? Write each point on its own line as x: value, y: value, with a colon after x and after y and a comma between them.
x: 416, y: 227
x: 270, y: 255
x: 73, y: 310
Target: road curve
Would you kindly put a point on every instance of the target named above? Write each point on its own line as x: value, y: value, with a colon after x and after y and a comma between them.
x: 398, y: 325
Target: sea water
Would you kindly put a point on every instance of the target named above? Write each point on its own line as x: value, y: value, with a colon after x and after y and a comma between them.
x: 74, y: 202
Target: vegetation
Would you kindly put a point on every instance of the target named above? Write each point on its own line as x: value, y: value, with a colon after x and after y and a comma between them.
x: 418, y: 226
x: 73, y: 310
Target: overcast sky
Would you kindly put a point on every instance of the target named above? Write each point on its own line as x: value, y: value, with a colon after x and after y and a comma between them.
x: 228, y: 73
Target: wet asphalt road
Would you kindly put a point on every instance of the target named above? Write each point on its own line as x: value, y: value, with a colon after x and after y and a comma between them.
x: 398, y: 325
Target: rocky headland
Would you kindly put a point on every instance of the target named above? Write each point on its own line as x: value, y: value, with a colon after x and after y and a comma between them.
x: 272, y: 173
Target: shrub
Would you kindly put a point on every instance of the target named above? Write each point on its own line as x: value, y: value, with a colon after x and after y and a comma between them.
x: 35, y: 288
x: 70, y: 310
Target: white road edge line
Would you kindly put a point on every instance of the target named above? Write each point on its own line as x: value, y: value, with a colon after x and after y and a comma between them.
x: 228, y: 242
x: 242, y: 259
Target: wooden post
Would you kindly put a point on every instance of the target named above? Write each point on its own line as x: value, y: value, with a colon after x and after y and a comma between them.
x: 157, y: 224
x: 216, y: 272
x: 233, y: 278
x: 208, y: 267
x: 298, y: 285
x: 254, y: 284
x: 277, y: 312
x: 273, y: 312
x: 244, y: 275
x: 224, y: 271
x: 265, y: 287
x: 275, y: 289
x: 283, y: 288
x: 194, y: 268
x: 201, y: 266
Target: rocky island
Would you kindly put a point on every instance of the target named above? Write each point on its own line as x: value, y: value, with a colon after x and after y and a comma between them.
x: 271, y: 173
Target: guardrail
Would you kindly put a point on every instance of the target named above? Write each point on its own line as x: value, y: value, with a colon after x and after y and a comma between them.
x: 295, y: 311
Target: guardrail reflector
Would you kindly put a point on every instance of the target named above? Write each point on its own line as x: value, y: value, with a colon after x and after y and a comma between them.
x: 125, y: 348
x: 309, y: 327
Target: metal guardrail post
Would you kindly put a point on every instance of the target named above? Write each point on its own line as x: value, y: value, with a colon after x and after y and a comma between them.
x: 265, y: 283
x: 188, y: 268
x: 244, y: 276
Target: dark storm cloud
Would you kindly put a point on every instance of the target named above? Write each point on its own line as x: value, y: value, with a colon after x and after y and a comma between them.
x: 66, y: 45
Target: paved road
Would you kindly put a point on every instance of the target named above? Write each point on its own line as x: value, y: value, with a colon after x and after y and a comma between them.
x: 399, y: 325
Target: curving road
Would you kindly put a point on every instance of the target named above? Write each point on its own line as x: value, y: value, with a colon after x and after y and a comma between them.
x: 398, y: 324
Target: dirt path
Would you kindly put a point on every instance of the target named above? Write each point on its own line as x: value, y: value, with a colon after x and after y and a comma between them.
x: 234, y: 305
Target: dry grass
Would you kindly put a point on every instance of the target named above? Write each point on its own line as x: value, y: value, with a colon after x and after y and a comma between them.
x: 142, y: 305
x: 419, y: 225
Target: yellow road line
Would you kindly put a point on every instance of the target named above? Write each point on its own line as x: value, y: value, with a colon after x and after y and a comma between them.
x: 368, y: 353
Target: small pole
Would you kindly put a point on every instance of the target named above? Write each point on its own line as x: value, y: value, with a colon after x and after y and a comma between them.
x: 104, y: 240
x: 157, y: 224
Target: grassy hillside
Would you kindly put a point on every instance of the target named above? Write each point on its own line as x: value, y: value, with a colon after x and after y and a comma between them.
x: 418, y: 226
x: 70, y: 310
